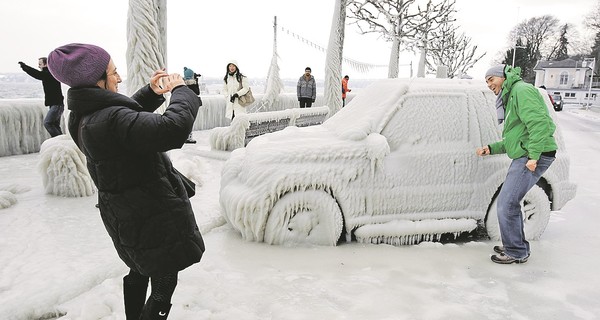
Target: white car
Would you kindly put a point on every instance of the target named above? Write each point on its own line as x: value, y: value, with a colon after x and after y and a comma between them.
x: 397, y: 165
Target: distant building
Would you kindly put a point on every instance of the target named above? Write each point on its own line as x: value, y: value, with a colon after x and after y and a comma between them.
x: 569, y: 78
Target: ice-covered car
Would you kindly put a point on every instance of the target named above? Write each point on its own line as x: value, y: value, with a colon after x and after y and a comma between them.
x: 397, y: 165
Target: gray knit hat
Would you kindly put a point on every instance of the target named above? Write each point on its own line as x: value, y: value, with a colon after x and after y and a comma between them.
x: 497, y: 71
x: 78, y: 64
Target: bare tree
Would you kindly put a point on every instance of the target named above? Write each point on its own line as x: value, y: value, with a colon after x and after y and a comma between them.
x: 537, y: 36
x: 539, y: 33
x: 592, y: 21
x: 453, y: 50
x: 395, y: 20
x: 428, y: 23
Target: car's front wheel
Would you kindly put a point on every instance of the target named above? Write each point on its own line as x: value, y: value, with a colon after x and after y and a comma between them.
x: 305, y: 217
x: 535, y: 211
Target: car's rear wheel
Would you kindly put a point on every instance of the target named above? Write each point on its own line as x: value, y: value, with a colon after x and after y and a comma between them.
x: 305, y: 217
x: 536, y: 214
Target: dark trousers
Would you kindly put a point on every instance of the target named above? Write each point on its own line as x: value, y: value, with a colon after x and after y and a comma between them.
x: 52, y: 120
x: 305, y: 102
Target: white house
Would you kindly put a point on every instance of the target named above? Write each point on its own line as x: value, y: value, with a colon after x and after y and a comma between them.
x: 569, y: 78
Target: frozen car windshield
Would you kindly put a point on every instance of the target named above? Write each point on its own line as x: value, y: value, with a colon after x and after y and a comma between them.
x: 364, y: 114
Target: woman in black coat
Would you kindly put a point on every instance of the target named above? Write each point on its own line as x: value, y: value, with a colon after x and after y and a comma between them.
x: 142, y: 199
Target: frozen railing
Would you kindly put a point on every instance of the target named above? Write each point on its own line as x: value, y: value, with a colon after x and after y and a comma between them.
x: 22, y: 120
x: 246, y: 127
x: 212, y: 113
x: 22, y: 126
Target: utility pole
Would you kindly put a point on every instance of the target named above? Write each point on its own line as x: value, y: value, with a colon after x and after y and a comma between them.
x: 515, y: 47
x: 590, y: 62
x: 515, y: 53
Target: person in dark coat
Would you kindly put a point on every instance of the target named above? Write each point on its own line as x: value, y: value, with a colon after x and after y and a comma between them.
x: 142, y: 198
x: 191, y: 80
x: 53, y: 97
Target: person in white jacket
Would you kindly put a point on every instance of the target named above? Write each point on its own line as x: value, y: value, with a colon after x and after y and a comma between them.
x: 235, y: 85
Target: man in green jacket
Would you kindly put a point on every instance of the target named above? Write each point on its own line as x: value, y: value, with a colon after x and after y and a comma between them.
x: 527, y: 138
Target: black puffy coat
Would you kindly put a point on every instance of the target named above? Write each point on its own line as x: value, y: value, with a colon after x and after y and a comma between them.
x: 142, y: 200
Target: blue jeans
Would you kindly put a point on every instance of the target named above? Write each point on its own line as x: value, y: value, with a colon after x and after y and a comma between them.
x: 52, y: 120
x: 519, y: 180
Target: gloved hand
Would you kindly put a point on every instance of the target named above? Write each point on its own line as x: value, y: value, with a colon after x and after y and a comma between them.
x: 235, y: 95
x: 313, y: 100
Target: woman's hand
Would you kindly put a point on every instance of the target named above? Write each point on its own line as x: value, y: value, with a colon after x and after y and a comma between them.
x: 172, y: 81
x: 156, y: 81
x: 162, y: 82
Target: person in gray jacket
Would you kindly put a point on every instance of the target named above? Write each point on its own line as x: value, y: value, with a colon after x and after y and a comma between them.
x: 307, y: 89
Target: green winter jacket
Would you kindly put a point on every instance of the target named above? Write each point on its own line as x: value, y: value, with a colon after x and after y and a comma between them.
x: 528, y: 127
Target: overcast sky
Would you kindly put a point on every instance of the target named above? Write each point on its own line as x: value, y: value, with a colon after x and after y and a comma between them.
x: 204, y: 35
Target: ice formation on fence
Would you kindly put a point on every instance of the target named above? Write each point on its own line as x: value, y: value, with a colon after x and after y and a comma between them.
x: 21, y: 126
x: 212, y: 112
x: 397, y: 164
x: 63, y: 168
x: 246, y: 127
x: 22, y: 121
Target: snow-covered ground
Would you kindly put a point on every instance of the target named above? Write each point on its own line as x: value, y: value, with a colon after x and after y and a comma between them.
x: 56, y: 260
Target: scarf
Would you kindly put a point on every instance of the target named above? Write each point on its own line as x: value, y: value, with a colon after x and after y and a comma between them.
x: 500, y: 108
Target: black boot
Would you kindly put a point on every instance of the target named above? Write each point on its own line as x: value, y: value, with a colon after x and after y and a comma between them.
x: 190, y: 139
x: 155, y: 310
x: 134, y: 294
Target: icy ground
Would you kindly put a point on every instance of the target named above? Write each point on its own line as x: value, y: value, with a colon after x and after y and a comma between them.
x: 56, y: 259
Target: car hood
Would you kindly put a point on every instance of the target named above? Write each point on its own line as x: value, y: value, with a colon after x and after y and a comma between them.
x: 314, y: 144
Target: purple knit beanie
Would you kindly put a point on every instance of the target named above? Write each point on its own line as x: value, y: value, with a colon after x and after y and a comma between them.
x: 78, y: 64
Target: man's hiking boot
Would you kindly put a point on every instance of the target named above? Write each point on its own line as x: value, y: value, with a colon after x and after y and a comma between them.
x: 498, y: 249
x: 504, y: 259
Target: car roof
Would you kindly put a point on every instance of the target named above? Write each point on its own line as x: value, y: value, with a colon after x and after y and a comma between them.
x: 368, y: 109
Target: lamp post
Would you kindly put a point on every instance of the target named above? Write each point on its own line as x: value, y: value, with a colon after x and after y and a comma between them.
x: 515, y: 53
x: 590, y: 62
